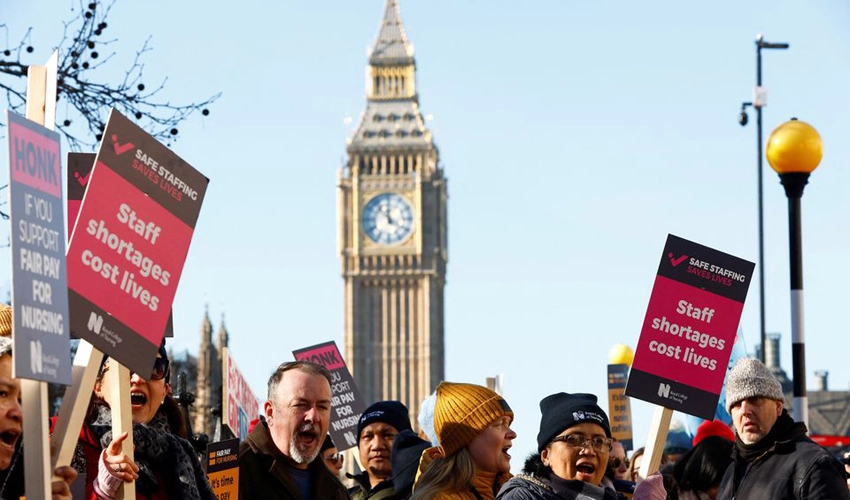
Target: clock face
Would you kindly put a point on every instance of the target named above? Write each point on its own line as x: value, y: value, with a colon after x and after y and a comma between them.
x: 388, y: 219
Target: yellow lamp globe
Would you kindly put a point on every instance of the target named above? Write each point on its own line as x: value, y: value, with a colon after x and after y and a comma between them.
x: 794, y: 147
x: 621, y: 354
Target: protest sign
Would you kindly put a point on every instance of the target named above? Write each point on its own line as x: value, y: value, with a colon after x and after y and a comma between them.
x: 39, y: 281
x: 130, y: 242
x: 239, y: 405
x: 223, y: 469
x: 619, y: 405
x: 346, y: 403
x: 80, y: 166
x: 689, y: 328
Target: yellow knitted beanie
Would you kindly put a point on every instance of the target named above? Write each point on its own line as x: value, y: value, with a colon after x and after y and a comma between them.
x: 463, y: 411
x: 5, y: 320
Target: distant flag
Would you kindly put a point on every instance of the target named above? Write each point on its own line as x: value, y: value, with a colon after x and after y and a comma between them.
x: 738, y: 351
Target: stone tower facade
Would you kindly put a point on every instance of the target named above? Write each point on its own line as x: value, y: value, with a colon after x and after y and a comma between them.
x: 208, y: 391
x: 391, y: 219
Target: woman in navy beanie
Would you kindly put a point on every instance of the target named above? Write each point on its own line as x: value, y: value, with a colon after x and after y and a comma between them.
x: 573, y: 444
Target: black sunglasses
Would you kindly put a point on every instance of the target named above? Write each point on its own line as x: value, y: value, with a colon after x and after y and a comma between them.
x: 159, y: 372
x: 617, y: 462
x: 160, y: 369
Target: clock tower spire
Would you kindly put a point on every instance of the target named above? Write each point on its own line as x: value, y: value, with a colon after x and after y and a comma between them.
x: 391, y: 223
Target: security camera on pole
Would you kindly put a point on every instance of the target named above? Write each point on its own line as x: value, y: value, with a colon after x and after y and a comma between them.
x: 759, y: 101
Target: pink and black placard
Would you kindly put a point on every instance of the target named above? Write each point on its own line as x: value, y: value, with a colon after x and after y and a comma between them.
x: 130, y: 242
x: 80, y: 166
x: 690, y: 326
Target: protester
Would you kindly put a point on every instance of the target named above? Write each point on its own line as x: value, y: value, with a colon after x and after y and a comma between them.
x: 425, y: 419
x: 277, y: 460
x: 678, y: 442
x: 164, y: 465
x: 699, y: 472
x: 624, y: 488
x: 472, y: 424
x: 634, y: 465
x: 846, y: 460
x: 618, y: 461
x: 376, y: 429
x: 713, y: 428
x: 773, y: 456
x: 407, y: 451
x: 574, y: 443
x: 333, y: 458
x: 636, y: 461
x: 11, y: 418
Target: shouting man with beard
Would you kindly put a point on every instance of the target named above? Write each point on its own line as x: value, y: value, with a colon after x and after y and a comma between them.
x: 277, y: 460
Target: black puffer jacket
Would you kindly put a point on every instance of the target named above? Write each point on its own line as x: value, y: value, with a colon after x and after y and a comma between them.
x: 794, y: 467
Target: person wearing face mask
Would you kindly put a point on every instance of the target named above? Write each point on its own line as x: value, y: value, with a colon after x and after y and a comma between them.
x: 773, y: 458
x: 473, y: 425
x: 164, y: 465
x: 278, y: 459
x: 574, y: 443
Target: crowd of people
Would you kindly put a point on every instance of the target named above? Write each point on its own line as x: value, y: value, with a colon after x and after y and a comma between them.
x: 460, y: 453
x: 462, y: 450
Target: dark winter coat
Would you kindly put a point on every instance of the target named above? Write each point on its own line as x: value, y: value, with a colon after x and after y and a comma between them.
x: 793, y: 467
x: 363, y: 490
x: 525, y: 487
x: 264, y: 474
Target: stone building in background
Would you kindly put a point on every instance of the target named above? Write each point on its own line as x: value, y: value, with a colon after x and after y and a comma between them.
x: 392, y: 232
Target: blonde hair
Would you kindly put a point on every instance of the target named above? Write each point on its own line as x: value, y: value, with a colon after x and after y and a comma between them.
x: 445, y: 474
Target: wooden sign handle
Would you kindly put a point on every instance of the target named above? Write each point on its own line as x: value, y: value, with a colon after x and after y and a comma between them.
x: 75, y: 403
x: 655, y: 441
x: 122, y: 417
x: 34, y: 392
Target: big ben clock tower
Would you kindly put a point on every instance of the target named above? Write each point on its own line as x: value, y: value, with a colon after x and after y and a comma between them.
x: 392, y: 232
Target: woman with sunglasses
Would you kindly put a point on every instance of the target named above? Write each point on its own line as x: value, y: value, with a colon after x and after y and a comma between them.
x: 164, y: 465
x: 333, y: 458
x: 573, y: 444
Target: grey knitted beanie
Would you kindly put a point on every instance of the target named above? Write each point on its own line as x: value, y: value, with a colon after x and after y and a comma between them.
x: 750, y: 378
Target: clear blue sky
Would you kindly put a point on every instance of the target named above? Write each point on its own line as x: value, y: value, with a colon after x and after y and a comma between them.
x: 575, y: 135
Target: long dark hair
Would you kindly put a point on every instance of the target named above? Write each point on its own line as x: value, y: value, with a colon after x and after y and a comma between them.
x: 704, y: 465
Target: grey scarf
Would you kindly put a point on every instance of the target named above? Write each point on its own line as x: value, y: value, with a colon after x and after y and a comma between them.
x: 156, y: 449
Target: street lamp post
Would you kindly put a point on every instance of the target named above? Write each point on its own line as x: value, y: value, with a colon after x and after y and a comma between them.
x: 759, y: 101
x: 794, y: 150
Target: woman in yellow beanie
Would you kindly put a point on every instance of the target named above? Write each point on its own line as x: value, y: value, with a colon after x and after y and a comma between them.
x: 473, y: 425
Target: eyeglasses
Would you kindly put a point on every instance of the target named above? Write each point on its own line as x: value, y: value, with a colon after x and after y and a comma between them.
x: 160, y: 369
x: 336, y: 458
x: 617, y: 462
x: 599, y: 443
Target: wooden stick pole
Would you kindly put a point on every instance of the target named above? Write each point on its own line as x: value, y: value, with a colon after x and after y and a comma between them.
x: 655, y: 441
x: 122, y: 417
x: 34, y: 392
x: 75, y: 403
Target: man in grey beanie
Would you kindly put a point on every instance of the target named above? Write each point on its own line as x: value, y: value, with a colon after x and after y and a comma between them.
x: 773, y: 456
